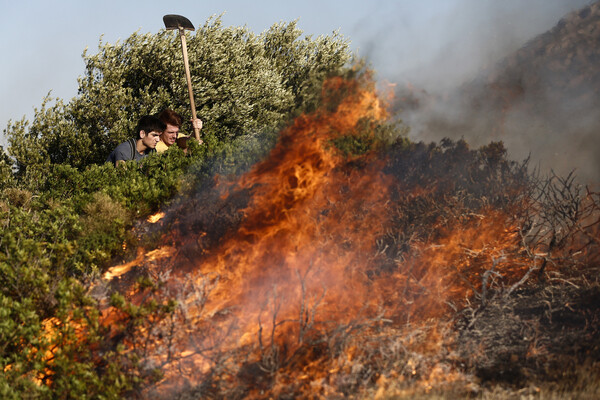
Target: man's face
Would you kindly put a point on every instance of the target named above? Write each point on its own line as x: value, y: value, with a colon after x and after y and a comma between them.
x: 169, y: 136
x: 151, y: 139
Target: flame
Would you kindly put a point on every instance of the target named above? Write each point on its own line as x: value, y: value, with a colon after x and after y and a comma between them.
x: 301, y: 275
x: 287, y: 248
x: 141, y: 258
x: 154, y: 218
x: 119, y: 270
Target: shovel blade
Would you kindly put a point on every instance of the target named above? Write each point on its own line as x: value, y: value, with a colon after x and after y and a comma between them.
x: 173, y: 21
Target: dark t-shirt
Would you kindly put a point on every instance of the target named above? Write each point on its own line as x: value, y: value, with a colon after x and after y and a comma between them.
x: 125, y: 151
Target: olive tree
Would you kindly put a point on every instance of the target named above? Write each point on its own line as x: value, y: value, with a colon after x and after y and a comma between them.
x: 243, y: 83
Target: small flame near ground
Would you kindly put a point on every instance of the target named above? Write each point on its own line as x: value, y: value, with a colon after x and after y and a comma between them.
x: 154, y: 218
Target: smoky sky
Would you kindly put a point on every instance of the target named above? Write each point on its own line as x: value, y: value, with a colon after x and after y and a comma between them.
x: 439, y: 44
x: 437, y: 48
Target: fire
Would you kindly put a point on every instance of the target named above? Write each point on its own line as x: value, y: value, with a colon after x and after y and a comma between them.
x: 154, y: 218
x: 141, y: 258
x: 300, y: 275
x: 287, y: 251
x: 119, y: 270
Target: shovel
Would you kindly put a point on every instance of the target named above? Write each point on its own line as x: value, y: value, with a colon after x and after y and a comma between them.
x: 182, y: 23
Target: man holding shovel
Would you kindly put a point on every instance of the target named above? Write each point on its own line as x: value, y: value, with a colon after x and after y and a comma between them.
x: 182, y: 24
x: 171, y: 134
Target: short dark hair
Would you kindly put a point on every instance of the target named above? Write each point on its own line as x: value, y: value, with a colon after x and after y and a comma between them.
x: 149, y: 123
x: 170, y: 117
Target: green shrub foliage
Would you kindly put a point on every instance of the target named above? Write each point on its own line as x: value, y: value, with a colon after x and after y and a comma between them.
x: 243, y: 83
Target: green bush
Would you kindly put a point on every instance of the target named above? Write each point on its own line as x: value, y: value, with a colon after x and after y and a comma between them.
x: 242, y: 82
x: 63, y: 357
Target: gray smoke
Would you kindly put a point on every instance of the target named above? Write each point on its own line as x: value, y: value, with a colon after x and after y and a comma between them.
x: 437, y: 50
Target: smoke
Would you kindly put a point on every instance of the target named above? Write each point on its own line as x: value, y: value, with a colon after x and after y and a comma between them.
x: 439, y: 45
x: 560, y: 129
x: 434, y: 54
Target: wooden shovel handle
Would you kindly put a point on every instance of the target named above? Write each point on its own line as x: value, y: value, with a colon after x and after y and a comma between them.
x: 189, y: 81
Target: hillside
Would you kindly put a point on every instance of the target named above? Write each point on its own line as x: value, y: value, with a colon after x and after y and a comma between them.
x: 541, y: 100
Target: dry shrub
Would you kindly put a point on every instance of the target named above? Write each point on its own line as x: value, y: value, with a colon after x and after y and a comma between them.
x: 17, y: 197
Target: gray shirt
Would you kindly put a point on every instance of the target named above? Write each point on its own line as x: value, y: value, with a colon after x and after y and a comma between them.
x: 127, y: 151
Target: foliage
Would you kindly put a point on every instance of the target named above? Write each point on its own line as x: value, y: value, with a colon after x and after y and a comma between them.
x: 243, y: 83
x: 370, y: 135
x: 51, y: 358
x: 485, y: 174
x: 74, y: 225
x: 6, y: 176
